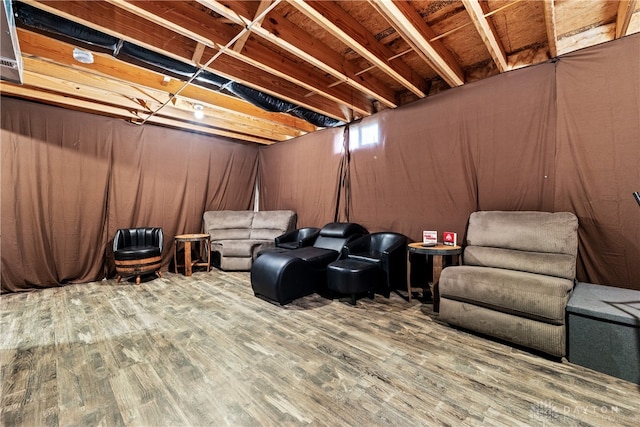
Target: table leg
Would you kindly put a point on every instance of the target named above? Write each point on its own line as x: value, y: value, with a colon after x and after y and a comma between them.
x: 175, y: 256
x: 409, y: 276
x: 438, y: 263
x: 187, y: 258
x: 207, y: 248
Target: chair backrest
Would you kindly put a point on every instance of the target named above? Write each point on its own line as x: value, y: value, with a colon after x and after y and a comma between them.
x: 268, y: 225
x: 224, y: 225
x: 142, y: 236
x: 536, y: 242
x: 297, y: 238
x: 235, y: 225
x: 382, y: 241
x: 336, y: 234
x: 306, y: 232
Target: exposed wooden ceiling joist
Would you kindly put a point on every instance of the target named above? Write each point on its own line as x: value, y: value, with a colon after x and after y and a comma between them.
x: 326, y: 61
x: 39, y: 46
x: 477, y: 12
x: 27, y: 92
x: 262, y: 7
x: 550, y: 24
x: 623, y: 18
x: 128, y: 26
x: 279, y: 31
x: 343, y: 26
x: 51, y: 78
x: 252, y: 53
x: 411, y: 26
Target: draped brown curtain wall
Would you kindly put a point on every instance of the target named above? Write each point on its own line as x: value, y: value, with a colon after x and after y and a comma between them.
x: 302, y: 175
x: 483, y: 146
x: 70, y: 179
x: 54, y: 195
x: 598, y: 158
x: 170, y: 178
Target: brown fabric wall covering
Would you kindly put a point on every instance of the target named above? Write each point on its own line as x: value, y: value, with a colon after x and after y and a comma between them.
x: 598, y: 158
x: 484, y: 146
x: 55, y: 181
x: 69, y: 180
x: 302, y: 175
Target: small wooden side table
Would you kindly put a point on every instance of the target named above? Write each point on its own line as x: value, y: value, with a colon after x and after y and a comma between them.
x: 204, y: 251
x: 439, y: 253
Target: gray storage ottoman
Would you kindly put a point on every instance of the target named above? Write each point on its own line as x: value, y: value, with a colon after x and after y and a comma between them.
x: 603, y: 328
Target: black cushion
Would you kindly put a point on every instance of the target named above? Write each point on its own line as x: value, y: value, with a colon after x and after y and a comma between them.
x: 297, y: 238
x: 317, y: 256
x: 349, y: 276
x: 136, y: 252
x: 288, y: 245
x: 342, y: 229
x: 337, y: 234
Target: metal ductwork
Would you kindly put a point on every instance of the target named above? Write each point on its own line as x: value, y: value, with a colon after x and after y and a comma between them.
x: 10, y: 57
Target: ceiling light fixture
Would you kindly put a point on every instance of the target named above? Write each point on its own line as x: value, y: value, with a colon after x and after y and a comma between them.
x: 83, y: 56
x: 198, y: 112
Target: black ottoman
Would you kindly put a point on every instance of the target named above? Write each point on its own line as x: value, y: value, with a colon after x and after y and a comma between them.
x: 348, y: 276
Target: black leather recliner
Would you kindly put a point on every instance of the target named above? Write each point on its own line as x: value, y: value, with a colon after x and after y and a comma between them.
x: 138, y: 251
x: 284, y: 276
x: 386, y: 250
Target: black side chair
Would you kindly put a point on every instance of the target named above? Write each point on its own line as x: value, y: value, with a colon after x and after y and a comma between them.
x: 298, y: 238
x: 386, y: 250
x: 137, y: 251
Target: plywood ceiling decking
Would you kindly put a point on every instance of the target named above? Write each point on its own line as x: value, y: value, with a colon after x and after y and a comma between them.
x: 342, y: 60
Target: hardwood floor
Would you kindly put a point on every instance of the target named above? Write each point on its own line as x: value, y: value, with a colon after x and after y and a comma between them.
x: 178, y: 351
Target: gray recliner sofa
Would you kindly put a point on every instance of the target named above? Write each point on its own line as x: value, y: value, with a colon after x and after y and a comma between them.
x: 517, y: 276
x: 238, y: 236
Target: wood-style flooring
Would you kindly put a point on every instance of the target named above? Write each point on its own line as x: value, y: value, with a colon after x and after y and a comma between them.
x: 203, y: 351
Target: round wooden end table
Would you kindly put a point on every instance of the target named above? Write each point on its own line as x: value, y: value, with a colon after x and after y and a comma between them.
x: 439, y: 254
x: 204, y: 252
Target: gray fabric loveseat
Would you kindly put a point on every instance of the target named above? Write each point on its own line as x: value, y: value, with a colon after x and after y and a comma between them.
x: 516, y: 279
x: 238, y: 236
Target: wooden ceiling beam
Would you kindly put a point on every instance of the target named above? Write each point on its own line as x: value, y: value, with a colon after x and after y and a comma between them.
x: 477, y: 12
x: 61, y: 100
x: 412, y: 27
x: 125, y: 25
x: 623, y: 18
x: 332, y: 18
x: 590, y: 37
x: 239, y: 45
x: 252, y: 53
x: 26, y: 91
x: 105, y: 92
x: 550, y: 23
x: 282, y: 33
x: 39, y: 46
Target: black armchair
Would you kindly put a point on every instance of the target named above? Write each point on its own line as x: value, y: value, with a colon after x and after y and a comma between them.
x: 137, y: 251
x: 297, y: 238
x: 386, y: 250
